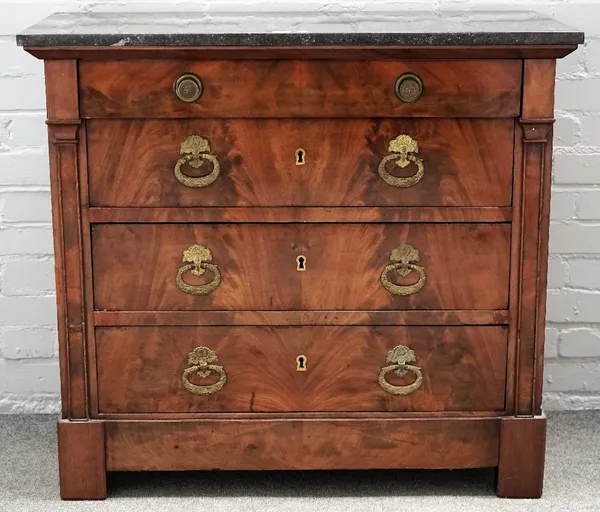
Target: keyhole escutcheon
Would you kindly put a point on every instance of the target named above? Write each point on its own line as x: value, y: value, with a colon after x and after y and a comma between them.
x: 301, y: 263
x: 300, y: 156
x: 301, y: 363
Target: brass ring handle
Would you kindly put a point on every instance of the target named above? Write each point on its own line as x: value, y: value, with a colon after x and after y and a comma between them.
x: 400, y: 148
x: 195, y: 150
x: 196, y: 258
x: 399, y: 356
x: 401, y: 258
x: 201, y: 362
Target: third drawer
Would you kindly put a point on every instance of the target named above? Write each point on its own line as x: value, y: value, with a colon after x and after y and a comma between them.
x: 170, y: 267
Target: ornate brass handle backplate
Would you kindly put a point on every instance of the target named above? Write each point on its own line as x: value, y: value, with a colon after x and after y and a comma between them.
x: 399, y: 356
x: 201, y: 362
x: 401, y: 259
x: 195, y: 150
x: 196, y: 258
x: 401, y: 148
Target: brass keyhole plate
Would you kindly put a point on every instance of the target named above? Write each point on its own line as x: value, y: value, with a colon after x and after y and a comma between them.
x: 300, y: 156
x: 301, y: 263
x: 301, y: 363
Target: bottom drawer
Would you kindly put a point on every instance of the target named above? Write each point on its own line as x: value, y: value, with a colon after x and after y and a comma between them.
x: 293, y: 369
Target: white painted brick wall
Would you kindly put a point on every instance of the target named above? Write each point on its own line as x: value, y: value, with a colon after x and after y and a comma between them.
x: 28, y: 365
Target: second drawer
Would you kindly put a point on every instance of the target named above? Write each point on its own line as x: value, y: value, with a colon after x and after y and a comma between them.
x: 277, y: 369
x: 293, y: 162
x: 152, y: 267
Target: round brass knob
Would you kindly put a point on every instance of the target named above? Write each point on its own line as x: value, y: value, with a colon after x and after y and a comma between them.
x: 408, y: 87
x: 187, y: 87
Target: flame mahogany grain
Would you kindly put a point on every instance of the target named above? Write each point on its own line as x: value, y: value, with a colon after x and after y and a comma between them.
x: 300, y: 88
x: 468, y: 162
x: 302, y: 444
x: 135, y: 266
x: 464, y: 369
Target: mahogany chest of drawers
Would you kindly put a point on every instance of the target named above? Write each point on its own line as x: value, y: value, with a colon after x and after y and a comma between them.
x: 292, y: 251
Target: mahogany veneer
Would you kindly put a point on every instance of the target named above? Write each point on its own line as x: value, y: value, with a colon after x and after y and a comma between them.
x: 258, y: 266
x: 261, y: 367
x: 300, y: 88
x: 469, y: 162
x: 362, y: 314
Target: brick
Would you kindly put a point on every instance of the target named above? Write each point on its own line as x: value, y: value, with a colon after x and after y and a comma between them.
x: 26, y: 240
x: 592, y: 56
x: 562, y: 205
x: 29, y: 403
x: 26, y: 207
x: 31, y: 168
x: 26, y: 130
x: 566, y: 130
x: 15, y: 62
x: 572, y: 64
x: 17, y: 15
x: 28, y: 343
x: 551, y: 344
x: 29, y: 377
x: 572, y: 306
x: 590, y: 130
x: 582, y: 342
x: 5, y: 131
x: 22, y: 94
x: 27, y: 311
x: 585, y: 274
x: 235, y: 7
x: 158, y: 6
x: 574, y: 238
x: 582, y: 15
x: 557, y: 273
x: 577, y: 169
x: 578, y: 95
x: 28, y: 277
x: 589, y: 204
x: 572, y: 377
x: 564, y: 402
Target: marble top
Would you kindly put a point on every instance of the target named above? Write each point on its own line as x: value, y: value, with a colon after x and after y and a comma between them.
x: 200, y: 29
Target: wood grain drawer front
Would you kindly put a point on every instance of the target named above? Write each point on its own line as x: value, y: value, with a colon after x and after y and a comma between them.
x: 255, y: 266
x: 302, y: 88
x: 464, y: 162
x: 149, y: 369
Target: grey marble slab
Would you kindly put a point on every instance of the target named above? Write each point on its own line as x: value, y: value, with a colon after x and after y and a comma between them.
x: 196, y: 29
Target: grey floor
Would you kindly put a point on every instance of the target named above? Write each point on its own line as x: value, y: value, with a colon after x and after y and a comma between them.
x: 29, y: 480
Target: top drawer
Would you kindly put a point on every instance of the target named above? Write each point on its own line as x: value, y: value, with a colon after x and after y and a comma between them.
x: 301, y: 88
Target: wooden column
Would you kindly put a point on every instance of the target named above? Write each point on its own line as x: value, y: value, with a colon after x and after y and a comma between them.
x: 536, y: 123
x: 522, y: 437
x: 80, y: 441
x: 63, y: 123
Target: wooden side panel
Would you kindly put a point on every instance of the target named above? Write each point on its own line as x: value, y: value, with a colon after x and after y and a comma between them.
x: 466, y: 266
x: 63, y: 122
x: 302, y: 444
x: 140, y: 369
x: 536, y: 124
x: 467, y: 162
x: 81, y: 460
x: 521, y: 463
x: 301, y: 88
